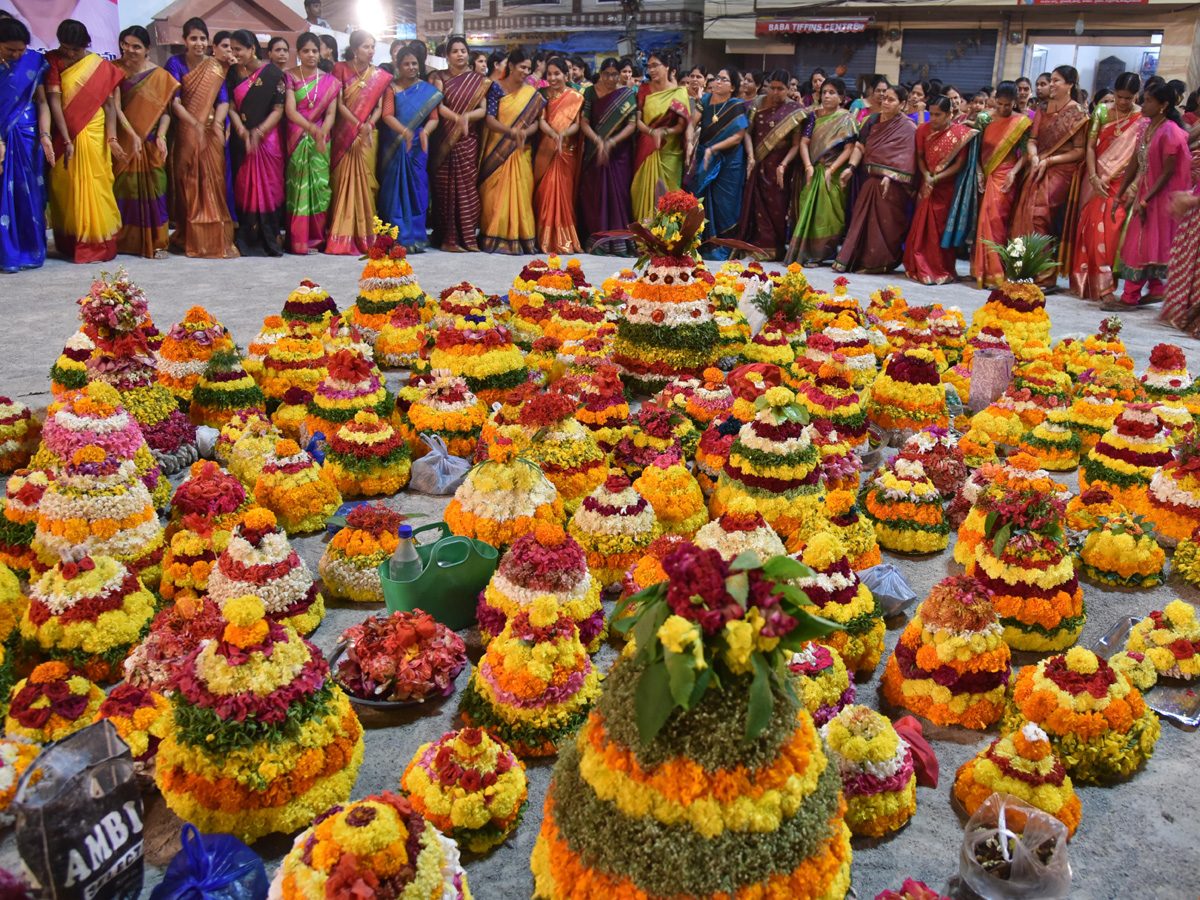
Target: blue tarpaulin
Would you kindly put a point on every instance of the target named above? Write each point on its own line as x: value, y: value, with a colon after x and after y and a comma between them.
x: 603, y: 41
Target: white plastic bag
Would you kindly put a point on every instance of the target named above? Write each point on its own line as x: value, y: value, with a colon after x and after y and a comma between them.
x: 438, y: 472
x: 1020, y: 830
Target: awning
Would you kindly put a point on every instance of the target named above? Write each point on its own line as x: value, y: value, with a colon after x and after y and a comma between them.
x: 604, y: 41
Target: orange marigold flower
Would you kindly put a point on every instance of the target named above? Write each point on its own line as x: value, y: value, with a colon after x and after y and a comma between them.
x: 49, y: 671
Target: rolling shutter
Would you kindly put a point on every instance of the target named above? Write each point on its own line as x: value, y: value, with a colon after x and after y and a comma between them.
x: 968, y: 72
x: 855, y: 51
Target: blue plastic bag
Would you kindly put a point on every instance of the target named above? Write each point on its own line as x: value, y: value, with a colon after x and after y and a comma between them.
x: 213, y: 867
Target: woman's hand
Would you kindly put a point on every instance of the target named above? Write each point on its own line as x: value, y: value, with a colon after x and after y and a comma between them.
x: 780, y: 171
x: 845, y: 177
x: 138, y: 143
x: 1009, y: 181
x: 708, y: 152
x: 656, y: 133
x: 603, y: 149
x: 161, y: 143
x: 48, y: 150
x: 119, y: 154
x: 253, y: 140
x: 1097, y: 183
x: 1039, y: 169
x: 424, y: 141
x: 1181, y: 203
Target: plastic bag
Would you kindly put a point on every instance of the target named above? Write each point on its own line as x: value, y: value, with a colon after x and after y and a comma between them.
x: 79, y: 825
x: 889, y: 587
x: 1003, y: 821
x: 213, y: 867
x: 991, y: 371
x: 206, y: 441
x: 437, y: 472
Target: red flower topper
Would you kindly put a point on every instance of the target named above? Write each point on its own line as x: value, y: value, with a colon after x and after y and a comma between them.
x: 841, y: 281
x: 617, y: 482
x: 1075, y: 683
x: 71, y: 570
x: 677, y: 202
x: 297, y: 397
x: 61, y: 702
x: 464, y: 287
x: 546, y: 409
x: 1167, y: 357
x: 697, y: 590
x: 346, y: 365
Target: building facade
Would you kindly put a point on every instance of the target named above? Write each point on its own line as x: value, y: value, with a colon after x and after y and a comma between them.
x: 968, y: 44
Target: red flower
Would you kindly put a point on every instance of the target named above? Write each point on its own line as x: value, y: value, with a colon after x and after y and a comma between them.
x: 70, y: 570
x: 1167, y: 357
x: 86, y: 564
x: 617, y: 483
x: 697, y: 588
x: 471, y: 781
x: 657, y: 316
x: 1182, y: 648
x: 677, y: 201
x: 472, y: 737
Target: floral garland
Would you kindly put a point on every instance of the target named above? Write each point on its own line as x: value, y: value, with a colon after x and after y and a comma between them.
x: 53, y: 702
x: 1170, y: 639
x: 404, y: 657
x: 296, y: 489
x: 906, y: 508
x: 1121, y: 551
x: 350, y: 564
x: 951, y: 664
x: 877, y: 770
x: 141, y: 716
x: 469, y: 786
x: 823, y: 684
x: 1096, y: 720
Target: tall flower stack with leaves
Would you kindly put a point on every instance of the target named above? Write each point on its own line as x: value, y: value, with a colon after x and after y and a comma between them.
x: 1018, y: 307
x: 367, y: 457
x: 262, y: 740
x: 1126, y: 459
x: 706, y: 702
x: 668, y: 329
x: 564, y: 449
x: 387, y: 283
x: 115, y: 317
x: 951, y: 664
x: 775, y: 463
x: 351, y: 385
x: 309, y: 308
x: 831, y: 397
x: 503, y: 498
x: 908, y: 394
x: 906, y: 508
x: 260, y: 561
x: 186, y: 350
x: 1166, y: 379
x: 69, y: 372
x: 293, y: 487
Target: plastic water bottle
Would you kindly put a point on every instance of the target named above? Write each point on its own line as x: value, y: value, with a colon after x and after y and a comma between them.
x: 405, y: 564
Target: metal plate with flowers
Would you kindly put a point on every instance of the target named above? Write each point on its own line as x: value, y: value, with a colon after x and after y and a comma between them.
x: 1170, y: 697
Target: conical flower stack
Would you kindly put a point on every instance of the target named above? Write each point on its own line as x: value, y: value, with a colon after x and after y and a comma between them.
x: 675, y: 495
x: 566, y: 450
x: 187, y: 349
x: 386, y: 284
x: 367, y: 457
x: 473, y: 346
x: 223, y: 389
x: 1125, y: 460
x: 1167, y: 380
x: 614, y: 525
x: 296, y: 360
x: 740, y: 529
x: 309, y: 308
x: 351, y: 385
x: 294, y: 488
x: 273, y: 328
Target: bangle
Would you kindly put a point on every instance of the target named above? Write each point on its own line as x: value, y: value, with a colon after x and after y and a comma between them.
x: 45, y: 134
x: 113, y: 140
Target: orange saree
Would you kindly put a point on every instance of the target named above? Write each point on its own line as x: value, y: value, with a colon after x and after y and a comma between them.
x: 555, y: 174
x: 1002, y: 140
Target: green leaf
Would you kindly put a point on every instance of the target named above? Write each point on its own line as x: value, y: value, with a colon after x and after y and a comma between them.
x: 645, y: 633
x: 682, y: 677
x: 784, y: 568
x: 808, y: 628
x: 738, y: 586
x: 701, y: 685
x: 762, y: 701
x: 990, y: 522
x: 654, y: 703
x: 747, y: 559
x: 1001, y: 540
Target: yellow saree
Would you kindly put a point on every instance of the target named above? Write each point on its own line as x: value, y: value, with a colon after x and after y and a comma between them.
x: 506, y: 175
x: 659, y: 109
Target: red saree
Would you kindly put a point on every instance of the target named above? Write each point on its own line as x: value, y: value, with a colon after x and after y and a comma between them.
x: 1101, y: 217
x: 554, y: 174
x: 925, y: 259
x: 454, y: 168
x: 1047, y: 206
x: 1001, y: 141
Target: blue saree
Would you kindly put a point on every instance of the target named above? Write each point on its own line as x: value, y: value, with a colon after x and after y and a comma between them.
x: 964, y: 211
x: 719, y: 184
x: 403, y: 180
x: 22, y: 184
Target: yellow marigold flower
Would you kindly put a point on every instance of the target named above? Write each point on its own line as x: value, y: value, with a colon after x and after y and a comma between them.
x: 79, y: 685
x: 678, y: 633
x: 822, y: 551
x: 259, y: 519
x: 543, y: 612
x: 779, y: 396
x: 741, y: 505
x: 89, y: 454
x: 795, y: 269
x: 366, y: 417
x: 244, y: 611
x: 1180, y: 614
x: 1082, y: 661
x: 838, y: 503
x: 739, y: 637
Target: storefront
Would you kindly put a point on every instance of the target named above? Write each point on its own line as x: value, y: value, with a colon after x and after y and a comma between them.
x: 1099, y: 59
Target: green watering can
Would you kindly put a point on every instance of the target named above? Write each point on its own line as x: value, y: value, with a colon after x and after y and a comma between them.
x: 456, y: 569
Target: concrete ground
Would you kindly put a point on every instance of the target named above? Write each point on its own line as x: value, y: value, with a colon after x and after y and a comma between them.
x: 1137, y: 839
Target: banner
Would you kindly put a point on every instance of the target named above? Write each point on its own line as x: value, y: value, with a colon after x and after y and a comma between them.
x: 850, y: 25
x: 42, y: 18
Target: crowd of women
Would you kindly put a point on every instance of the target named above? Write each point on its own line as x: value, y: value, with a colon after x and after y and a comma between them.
x: 504, y: 153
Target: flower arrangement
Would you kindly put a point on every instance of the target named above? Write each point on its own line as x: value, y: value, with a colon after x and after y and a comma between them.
x: 250, y: 450
x: 878, y: 778
x: 446, y: 408
x: 402, y: 657
x: 374, y: 848
x: 401, y: 339
x: 605, y: 409
x: 852, y: 342
x: 1018, y: 307
x: 1099, y: 398
x: 908, y: 394
x: 1096, y: 720
x: 1170, y: 639
x: 503, y: 498
x: 1101, y: 350
x: 262, y: 741
x: 99, y: 505
x: 349, y: 566
x: 648, y: 570
x: 260, y: 561
x: 823, y: 684
x: 1089, y: 509
x: 1024, y: 765
x: 53, y: 702
x: 1179, y: 422
x: 387, y: 284
x: 855, y: 531
x: 938, y: 452
x: 457, y: 301
x: 770, y: 346
x: 15, y: 758
x: 273, y: 328
x: 911, y: 889
x: 189, y: 559
x: 674, y: 494
x: 887, y: 304
x: 1053, y: 443
x: 635, y: 765
x: 1000, y: 423
x: 352, y: 384
x: 292, y: 486
x: 1172, y: 499
x: 906, y: 508
x: 186, y: 350
x: 710, y: 399
x: 174, y: 633
x: 88, y: 612
x: 649, y: 433
x: 614, y: 525
x: 469, y: 786
x: 1121, y: 551
x: 309, y: 309
x: 23, y: 493
x: 740, y: 529
x: 1020, y: 473
x: 224, y: 388
x: 19, y: 432
x: 474, y: 347
x: 977, y: 448
x: 1166, y: 379
x: 713, y: 451
x: 12, y: 608
x: 833, y: 399
x: 578, y: 322
x: 69, y: 372
x: 291, y: 412
x: 535, y: 684
x: 1125, y: 460
x: 1036, y: 389
x: 298, y: 360
x: 565, y: 450
x: 141, y: 716
x: 733, y: 329
x: 841, y: 599
x: 951, y: 664
x: 366, y: 457
x: 546, y: 562
x: 774, y: 462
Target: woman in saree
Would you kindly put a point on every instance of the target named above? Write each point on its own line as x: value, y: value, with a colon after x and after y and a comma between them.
x: 352, y: 156
x: 203, y: 226
x: 256, y: 97
x: 663, y: 115
x: 80, y: 87
x: 506, y: 173
x: 1056, y: 150
x: 556, y: 164
x: 918, y: 102
x: 887, y: 150
x: 1163, y: 168
x: 410, y: 114
x: 279, y: 52
x: 310, y: 104
x: 454, y: 152
x: 1111, y: 142
x: 825, y: 148
x: 24, y: 116
x: 1001, y: 160
x: 719, y: 174
x: 608, y: 120
x: 775, y: 131
x: 1182, y: 306
x: 140, y: 181
x: 941, y: 156
x: 871, y: 103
